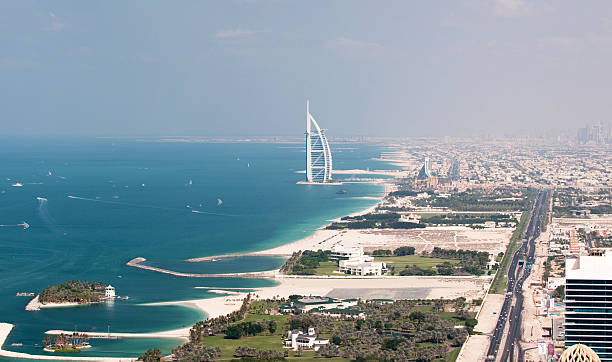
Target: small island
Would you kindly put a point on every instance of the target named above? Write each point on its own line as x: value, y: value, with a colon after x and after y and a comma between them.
x: 72, y: 293
x: 75, y: 291
x: 74, y: 342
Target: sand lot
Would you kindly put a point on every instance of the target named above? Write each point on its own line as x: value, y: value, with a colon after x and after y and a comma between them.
x: 452, y: 237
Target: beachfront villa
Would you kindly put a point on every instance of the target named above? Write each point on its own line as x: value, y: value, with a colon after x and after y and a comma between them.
x: 342, y: 313
x: 342, y: 253
x: 298, y: 340
x: 109, y: 292
x: 353, y: 261
x: 306, y: 304
x: 364, y: 265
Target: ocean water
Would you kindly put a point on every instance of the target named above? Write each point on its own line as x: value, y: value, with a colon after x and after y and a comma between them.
x: 94, y: 204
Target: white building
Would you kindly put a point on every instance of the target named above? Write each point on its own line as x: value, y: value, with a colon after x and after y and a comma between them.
x: 353, y: 261
x: 297, y: 340
x: 318, y: 154
x: 362, y: 266
x: 342, y: 253
x: 109, y: 292
x: 588, y: 317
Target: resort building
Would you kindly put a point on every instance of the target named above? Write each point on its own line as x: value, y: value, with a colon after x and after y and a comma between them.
x: 298, y: 340
x: 353, y: 261
x: 306, y: 304
x: 364, y: 265
x: 588, y: 302
x: 344, y: 313
x: 109, y: 292
x: 318, y: 154
x: 342, y: 253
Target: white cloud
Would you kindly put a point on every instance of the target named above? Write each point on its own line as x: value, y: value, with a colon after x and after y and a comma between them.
x: 581, y: 43
x: 513, y: 8
x: 353, y: 47
x: 56, y: 23
x: 233, y: 33
x: 565, y: 42
x: 81, y: 51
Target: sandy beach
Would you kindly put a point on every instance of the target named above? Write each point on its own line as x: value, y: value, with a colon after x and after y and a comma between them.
x: 342, y: 287
x: 35, y: 304
x: 385, y: 287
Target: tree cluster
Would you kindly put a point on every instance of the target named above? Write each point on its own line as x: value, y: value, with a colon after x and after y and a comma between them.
x: 236, y: 331
x: 75, y: 291
x: 219, y: 324
x: 258, y: 354
x: 195, y: 352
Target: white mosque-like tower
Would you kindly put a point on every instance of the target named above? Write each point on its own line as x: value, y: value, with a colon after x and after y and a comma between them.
x: 318, y: 154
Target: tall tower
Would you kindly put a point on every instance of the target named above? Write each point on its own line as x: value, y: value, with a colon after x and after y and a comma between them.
x: 588, y: 316
x: 318, y: 154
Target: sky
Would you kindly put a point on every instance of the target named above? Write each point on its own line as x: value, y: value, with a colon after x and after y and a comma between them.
x: 246, y: 67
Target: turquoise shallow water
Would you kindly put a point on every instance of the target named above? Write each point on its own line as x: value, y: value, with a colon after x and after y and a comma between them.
x: 132, y: 198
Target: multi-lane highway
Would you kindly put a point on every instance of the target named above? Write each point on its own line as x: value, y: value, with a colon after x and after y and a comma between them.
x: 517, y: 273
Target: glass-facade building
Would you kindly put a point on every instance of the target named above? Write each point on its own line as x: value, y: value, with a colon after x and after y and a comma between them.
x: 588, y: 302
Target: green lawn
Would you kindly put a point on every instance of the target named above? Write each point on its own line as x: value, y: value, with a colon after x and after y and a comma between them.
x: 428, y: 216
x: 452, y: 356
x: 327, y: 268
x: 306, y: 359
x: 228, y: 346
x: 499, y: 282
x: 420, y: 261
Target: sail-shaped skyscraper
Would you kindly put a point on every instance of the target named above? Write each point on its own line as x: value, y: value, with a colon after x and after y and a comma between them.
x: 318, y: 154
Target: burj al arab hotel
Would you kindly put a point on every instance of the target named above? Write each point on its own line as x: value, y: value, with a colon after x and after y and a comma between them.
x: 318, y: 154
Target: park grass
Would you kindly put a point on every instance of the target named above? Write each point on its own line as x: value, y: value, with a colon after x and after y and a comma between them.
x: 228, y: 346
x: 452, y: 356
x: 280, y: 320
x: 420, y: 261
x: 426, y: 216
x: 327, y: 268
x: 501, y: 277
x: 331, y: 267
x: 333, y: 359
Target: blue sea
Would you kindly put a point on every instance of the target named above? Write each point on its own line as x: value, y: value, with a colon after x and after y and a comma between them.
x: 94, y: 204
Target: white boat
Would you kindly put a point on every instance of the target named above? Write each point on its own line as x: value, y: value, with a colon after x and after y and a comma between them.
x: 17, y: 184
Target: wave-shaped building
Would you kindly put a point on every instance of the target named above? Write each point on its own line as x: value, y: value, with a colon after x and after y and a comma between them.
x: 318, y: 154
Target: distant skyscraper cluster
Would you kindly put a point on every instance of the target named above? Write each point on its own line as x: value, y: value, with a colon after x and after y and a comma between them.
x: 594, y: 133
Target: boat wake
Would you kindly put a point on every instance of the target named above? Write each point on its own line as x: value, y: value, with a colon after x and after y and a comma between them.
x: 24, y: 224
x: 43, y: 212
x: 148, y: 206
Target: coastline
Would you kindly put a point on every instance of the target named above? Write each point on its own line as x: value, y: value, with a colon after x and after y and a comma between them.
x: 223, y: 304
x: 35, y: 304
x: 320, y: 238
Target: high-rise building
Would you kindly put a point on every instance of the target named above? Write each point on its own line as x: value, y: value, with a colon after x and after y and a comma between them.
x: 588, y: 301
x: 596, y: 133
x: 318, y: 154
x: 425, y: 171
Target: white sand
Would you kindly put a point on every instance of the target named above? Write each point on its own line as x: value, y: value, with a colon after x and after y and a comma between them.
x: 450, y: 237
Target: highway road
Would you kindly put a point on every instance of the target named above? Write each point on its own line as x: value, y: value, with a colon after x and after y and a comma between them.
x: 513, y: 301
